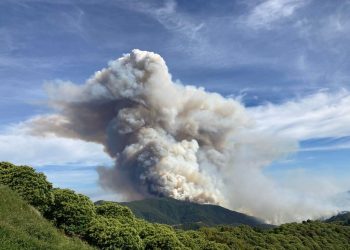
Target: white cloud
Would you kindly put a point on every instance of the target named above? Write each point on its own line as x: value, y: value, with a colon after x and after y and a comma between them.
x: 320, y: 115
x: 18, y: 147
x: 268, y: 12
x: 172, y: 20
x: 169, y: 17
x: 336, y: 146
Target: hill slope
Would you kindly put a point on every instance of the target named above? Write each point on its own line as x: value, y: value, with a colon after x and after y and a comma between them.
x: 22, y: 227
x: 188, y: 214
x: 342, y: 218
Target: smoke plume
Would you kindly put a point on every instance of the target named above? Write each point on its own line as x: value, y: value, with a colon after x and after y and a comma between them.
x: 172, y: 140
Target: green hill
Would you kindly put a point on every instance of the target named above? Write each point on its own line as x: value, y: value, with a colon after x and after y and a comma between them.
x: 109, y: 225
x: 187, y: 214
x: 342, y: 218
x: 22, y: 227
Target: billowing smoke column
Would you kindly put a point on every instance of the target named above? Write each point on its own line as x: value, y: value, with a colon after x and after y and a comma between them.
x: 172, y: 140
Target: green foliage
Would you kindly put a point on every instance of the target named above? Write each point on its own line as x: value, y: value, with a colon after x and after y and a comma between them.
x: 70, y: 211
x: 22, y: 227
x: 109, y: 233
x: 114, y: 210
x: 109, y: 225
x: 196, y: 240
x: 163, y: 240
x: 307, y: 235
x: 30, y: 185
x: 147, y: 229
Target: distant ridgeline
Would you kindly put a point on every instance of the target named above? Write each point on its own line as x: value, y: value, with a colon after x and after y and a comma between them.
x: 34, y: 215
x: 188, y: 215
x: 342, y: 218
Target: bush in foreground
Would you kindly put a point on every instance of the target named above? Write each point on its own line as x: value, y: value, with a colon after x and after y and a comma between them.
x: 22, y: 227
x: 70, y: 211
x: 114, y: 210
x: 109, y: 233
x: 30, y: 185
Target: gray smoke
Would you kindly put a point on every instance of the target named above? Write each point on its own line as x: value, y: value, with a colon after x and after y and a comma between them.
x: 173, y: 140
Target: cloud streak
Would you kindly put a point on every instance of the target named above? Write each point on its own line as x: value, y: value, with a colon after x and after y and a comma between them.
x: 321, y: 115
x: 168, y: 16
x: 269, y: 12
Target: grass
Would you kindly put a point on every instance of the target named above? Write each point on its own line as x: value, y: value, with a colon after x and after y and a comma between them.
x: 22, y: 227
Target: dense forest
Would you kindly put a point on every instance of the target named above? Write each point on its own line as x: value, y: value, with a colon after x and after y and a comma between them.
x: 109, y: 225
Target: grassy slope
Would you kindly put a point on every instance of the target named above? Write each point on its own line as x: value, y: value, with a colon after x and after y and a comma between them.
x: 22, y: 227
x: 175, y: 212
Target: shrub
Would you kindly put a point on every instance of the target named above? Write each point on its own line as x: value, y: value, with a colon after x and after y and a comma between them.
x: 114, y: 210
x: 70, y: 211
x: 196, y: 240
x: 162, y: 237
x: 109, y: 233
x: 30, y: 185
x: 146, y: 229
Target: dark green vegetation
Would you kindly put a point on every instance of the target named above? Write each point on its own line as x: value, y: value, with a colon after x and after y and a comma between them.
x: 32, y: 186
x: 342, y: 219
x: 22, y: 227
x: 109, y: 225
x: 187, y: 214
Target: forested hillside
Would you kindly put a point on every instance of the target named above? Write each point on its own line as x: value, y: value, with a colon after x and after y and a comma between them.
x: 109, y: 225
x: 188, y: 214
x: 342, y: 219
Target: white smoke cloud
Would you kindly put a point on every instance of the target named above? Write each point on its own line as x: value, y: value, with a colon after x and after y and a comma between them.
x: 173, y: 140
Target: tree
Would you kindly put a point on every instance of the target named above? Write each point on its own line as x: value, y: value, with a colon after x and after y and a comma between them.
x: 70, y: 211
x: 162, y: 237
x: 114, y: 210
x: 109, y: 233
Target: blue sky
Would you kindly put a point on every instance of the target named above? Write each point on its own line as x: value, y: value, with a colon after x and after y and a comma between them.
x: 287, y: 61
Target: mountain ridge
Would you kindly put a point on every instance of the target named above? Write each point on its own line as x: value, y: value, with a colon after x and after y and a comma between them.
x: 189, y: 215
x: 342, y: 218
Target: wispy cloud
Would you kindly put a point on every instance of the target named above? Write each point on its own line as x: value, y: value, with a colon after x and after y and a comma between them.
x: 343, y: 146
x: 327, y: 144
x: 269, y: 12
x: 175, y: 21
x: 168, y: 16
x: 321, y: 115
x: 71, y: 22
